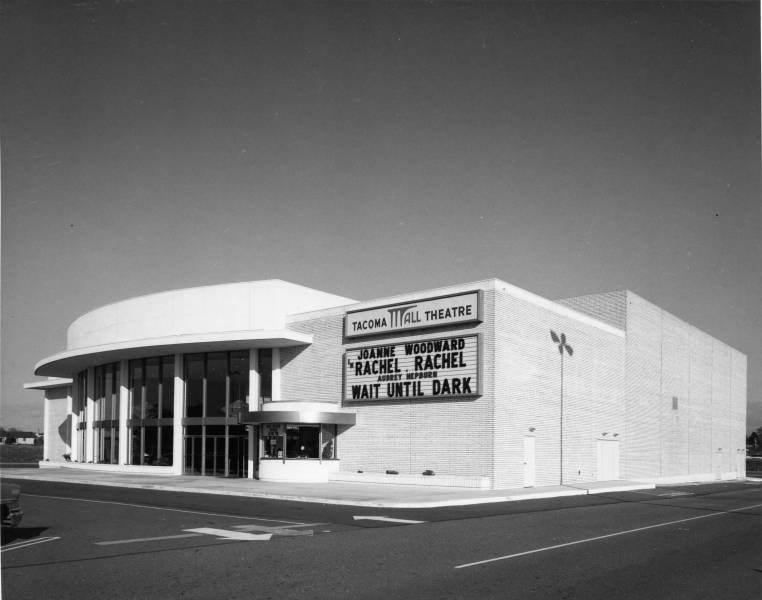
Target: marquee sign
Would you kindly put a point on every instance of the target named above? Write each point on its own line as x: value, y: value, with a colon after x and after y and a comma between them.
x: 432, y: 312
x: 424, y: 369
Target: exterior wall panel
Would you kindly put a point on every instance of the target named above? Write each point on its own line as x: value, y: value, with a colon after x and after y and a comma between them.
x: 609, y: 307
x: 672, y: 397
x: 448, y: 436
x: 700, y: 398
x: 642, y: 389
x: 58, y: 428
x: 528, y: 392
x: 313, y: 373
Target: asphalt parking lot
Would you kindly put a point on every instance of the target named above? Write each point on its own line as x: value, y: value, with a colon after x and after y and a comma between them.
x: 701, y: 541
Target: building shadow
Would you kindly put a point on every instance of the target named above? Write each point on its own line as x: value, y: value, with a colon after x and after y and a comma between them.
x: 13, y: 534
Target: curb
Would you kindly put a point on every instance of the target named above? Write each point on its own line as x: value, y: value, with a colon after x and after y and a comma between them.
x: 570, y: 491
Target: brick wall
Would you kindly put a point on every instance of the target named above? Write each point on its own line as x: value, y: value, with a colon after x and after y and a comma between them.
x: 314, y: 373
x: 448, y: 436
x: 609, y: 307
x: 699, y: 434
x: 612, y: 385
x: 528, y: 392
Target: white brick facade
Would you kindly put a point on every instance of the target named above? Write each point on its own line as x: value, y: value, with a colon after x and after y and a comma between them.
x: 636, y: 393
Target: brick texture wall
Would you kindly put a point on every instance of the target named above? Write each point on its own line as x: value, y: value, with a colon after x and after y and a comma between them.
x: 686, y: 398
x: 673, y: 397
x: 609, y: 307
x: 314, y: 373
x: 448, y: 436
x: 528, y: 392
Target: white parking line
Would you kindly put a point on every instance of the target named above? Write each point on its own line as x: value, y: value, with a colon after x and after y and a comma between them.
x: 387, y: 519
x: 27, y: 543
x: 148, y: 539
x: 192, y: 512
x: 226, y: 534
x: 603, y: 537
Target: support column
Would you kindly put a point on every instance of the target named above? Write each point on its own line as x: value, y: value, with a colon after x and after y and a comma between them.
x: 254, y: 384
x: 89, y: 449
x: 276, y: 392
x: 69, y: 402
x: 177, y: 421
x: 46, y: 427
x: 74, y: 412
x: 124, y: 411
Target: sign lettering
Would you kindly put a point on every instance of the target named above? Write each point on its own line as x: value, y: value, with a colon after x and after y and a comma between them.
x: 434, y: 312
x: 442, y: 367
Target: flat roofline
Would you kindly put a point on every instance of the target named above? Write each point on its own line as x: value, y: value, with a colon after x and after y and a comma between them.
x: 49, y: 384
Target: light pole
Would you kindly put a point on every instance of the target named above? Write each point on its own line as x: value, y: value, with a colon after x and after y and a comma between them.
x: 560, y: 340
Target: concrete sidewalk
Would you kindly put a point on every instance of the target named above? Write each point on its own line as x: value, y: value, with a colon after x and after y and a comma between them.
x: 353, y: 494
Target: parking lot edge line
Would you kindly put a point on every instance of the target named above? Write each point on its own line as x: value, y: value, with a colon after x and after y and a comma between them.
x: 608, y: 535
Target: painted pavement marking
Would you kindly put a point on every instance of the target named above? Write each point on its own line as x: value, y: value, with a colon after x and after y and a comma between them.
x: 231, y: 535
x: 242, y: 533
x: 603, y: 537
x: 148, y: 539
x: 285, y: 531
x: 27, y: 543
x: 387, y: 519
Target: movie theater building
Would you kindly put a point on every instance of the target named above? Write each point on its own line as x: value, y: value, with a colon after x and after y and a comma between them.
x: 477, y: 385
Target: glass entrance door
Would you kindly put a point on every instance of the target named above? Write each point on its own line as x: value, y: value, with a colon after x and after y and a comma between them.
x: 217, y: 455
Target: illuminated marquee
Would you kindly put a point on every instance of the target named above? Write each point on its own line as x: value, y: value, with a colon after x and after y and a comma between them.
x: 435, y: 368
x: 433, y: 312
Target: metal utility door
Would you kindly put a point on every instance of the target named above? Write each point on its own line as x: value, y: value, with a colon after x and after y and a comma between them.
x: 608, y: 460
x: 529, y: 461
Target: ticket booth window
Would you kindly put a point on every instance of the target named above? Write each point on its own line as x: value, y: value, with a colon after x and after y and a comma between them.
x: 272, y: 437
x: 302, y: 441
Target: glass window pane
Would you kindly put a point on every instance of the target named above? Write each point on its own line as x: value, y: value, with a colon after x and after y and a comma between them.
x: 216, y: 374
x: 136, y: 390
x: 99, y: 395
x: 115, y: 390
x: 151, y: 410
x: 166, y: 446
x: 108, y: 396
x: 167, y: 386
x: 150, y: 447
x: 239, y: 382
x: 309, y: 441
x: 219, y: 456
x: 105, y: 454
x: 82, y: 396
x: 194, y: 385
x: 272, y: 436
x: 329, y: 442
x: 302, y: 441
x: 265, y: 374
x: 135, y: 446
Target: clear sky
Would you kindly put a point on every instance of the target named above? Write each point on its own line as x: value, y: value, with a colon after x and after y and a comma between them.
x: 371, y: 148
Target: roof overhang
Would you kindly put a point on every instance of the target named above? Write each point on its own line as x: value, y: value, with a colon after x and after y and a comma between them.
x: 49, y: 384
x: 70, y: 362
x: 298, y: 416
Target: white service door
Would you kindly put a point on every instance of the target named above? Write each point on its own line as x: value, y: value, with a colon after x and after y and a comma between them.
x: 608, y: 460
x: 529, y: 461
